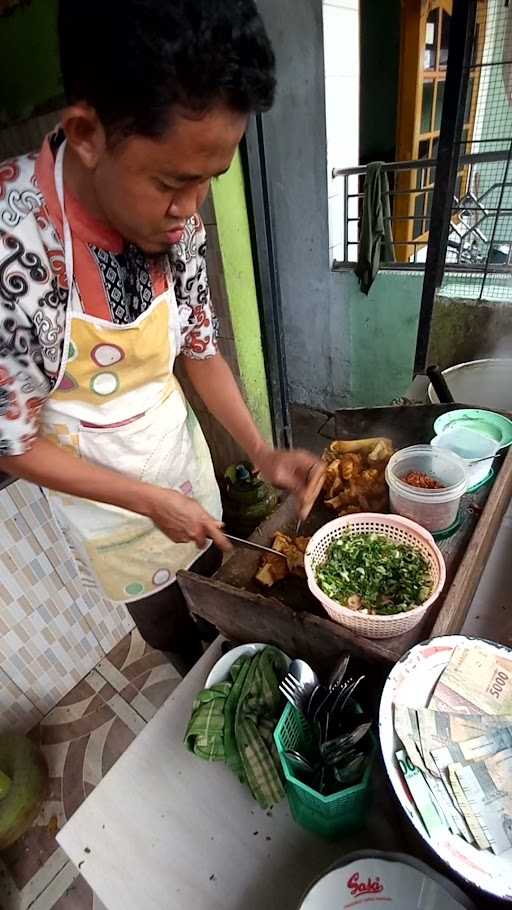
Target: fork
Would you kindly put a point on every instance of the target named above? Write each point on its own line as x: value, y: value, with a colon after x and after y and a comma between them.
x: 293, y: 691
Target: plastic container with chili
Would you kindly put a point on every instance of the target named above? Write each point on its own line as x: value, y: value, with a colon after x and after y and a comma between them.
x: 434, y: 509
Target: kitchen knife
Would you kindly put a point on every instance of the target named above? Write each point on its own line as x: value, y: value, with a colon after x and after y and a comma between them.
x: 316, y: 481
x: 250, y: 545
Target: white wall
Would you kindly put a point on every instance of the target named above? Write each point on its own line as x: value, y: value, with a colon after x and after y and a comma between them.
x: 341, y: 56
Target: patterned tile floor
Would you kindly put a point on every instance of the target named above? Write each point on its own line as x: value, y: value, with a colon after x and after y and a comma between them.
x: 81, y: 739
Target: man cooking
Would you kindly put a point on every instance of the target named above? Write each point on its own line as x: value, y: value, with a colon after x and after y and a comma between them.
x: 103, y: 286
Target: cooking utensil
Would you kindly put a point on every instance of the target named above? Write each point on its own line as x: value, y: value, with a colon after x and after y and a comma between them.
x: 339, y: 671
x: 350, y: 773
x: 486, y: 458
x: 330, y: 699
x: 299, y: 763
x: 294, y: 692
x: 440, y: 385
x: 304, y: 674
x: 343, y: 743
x: 345, y: 696
x: 251, y: 545
x: 316, y: 480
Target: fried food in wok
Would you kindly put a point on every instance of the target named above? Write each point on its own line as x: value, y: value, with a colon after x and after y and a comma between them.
x: 273, y: 568
x: 355, y: 480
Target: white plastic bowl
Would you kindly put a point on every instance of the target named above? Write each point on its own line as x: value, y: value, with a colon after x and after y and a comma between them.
x: 411, y: 682
x: 468, y: 445
x: 220, y: 671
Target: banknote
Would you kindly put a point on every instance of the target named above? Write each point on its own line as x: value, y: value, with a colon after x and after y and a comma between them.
x: 483, y: 783
x: 406, y: 728
x: 447, y: 805
x: 450, y: 755
x: 475, y: 749
x: 477, y: 680
x: 421, y: 795
x: 439, y: 727
x: 470, y: 817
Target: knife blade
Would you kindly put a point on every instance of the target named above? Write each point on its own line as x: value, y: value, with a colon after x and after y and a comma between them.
x: 250, y: 545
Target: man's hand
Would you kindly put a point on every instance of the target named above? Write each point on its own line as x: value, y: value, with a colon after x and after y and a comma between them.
x: 182, y: 519
x: 178, y: 516
x: 287, y: 470
x: 215, y: 384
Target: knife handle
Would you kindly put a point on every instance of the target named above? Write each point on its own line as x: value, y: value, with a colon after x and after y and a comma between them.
x: 316, y: 481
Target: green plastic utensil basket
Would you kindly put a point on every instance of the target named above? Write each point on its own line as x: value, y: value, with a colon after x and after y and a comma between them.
x: 329, y: 816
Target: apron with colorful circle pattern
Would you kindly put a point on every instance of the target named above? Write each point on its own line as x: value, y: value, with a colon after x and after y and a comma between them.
x: 117, y: 403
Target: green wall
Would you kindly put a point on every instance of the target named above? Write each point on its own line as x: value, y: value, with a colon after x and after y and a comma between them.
x: 235, y: 244
x: 383, y: 337
x: 380, y: 58
x: 29, y: 67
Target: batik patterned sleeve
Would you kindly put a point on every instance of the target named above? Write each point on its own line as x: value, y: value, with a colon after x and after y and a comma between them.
x: 24, y: 385
x: 197, y: 318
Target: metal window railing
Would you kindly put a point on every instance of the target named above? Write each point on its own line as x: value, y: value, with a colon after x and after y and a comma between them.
x: 472, y: 245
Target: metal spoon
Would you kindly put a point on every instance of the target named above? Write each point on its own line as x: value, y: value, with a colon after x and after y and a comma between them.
x: 298, y: 762
x: 350, y: 773
x: 304, y: 674
x: 344, y: 742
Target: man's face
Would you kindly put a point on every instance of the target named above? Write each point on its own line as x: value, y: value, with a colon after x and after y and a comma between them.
x: 148, y: 188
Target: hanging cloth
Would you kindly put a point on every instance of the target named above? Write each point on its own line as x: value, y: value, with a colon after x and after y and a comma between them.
x: 376, y: 238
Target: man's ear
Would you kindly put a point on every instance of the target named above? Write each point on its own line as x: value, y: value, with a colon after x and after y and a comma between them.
x: 85, y: 133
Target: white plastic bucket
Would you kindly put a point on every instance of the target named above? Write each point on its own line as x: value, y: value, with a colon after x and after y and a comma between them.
x: 482, y: 383
x: 393, y: 880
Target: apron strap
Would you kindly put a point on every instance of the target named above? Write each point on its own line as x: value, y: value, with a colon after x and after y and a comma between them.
x: 68, y: 240
x: 99, y: 308
x: 173, y: 303
x: 69, y: 257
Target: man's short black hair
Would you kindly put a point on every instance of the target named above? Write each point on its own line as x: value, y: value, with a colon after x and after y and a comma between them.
x: 134, y: 60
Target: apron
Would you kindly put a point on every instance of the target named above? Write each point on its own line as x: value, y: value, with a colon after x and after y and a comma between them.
x: 117, y: 403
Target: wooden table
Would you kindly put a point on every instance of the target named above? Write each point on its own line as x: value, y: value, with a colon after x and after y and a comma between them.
x: 291, y: 618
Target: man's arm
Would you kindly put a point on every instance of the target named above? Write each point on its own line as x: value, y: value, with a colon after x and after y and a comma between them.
x: 215, y: 384
x: 178, y: 516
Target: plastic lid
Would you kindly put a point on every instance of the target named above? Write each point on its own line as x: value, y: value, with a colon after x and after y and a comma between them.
x: 488, y: 423
x: 466, y: 443
x: 399, y: 881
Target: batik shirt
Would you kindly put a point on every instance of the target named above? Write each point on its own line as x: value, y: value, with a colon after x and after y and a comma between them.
x: 34, y: 292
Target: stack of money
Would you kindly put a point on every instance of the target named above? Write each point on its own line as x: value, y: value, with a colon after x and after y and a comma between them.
x: 457, y: 752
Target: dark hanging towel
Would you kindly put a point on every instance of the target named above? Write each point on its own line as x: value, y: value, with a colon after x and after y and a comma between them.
x: 376, y: 239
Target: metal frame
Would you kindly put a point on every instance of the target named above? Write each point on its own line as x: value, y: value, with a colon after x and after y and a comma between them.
x: 474, y: 204
x: 462, y: 30
x: 254, y: 162
x: 505, y: 184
